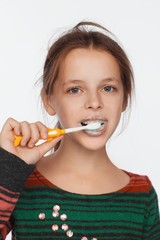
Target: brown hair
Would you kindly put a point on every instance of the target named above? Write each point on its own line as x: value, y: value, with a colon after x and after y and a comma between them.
x: 80, y: 37
x: 86, y: 35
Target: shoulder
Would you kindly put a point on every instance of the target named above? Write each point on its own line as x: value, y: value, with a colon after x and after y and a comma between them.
x: 34, y: 180
x: 140, y: 183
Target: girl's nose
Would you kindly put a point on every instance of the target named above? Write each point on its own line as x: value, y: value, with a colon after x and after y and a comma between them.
x: 93, y: 101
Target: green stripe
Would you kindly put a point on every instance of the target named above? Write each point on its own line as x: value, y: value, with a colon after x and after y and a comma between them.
x: 106, y: 216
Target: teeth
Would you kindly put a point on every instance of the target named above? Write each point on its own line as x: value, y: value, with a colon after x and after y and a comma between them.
x: 84, y: 123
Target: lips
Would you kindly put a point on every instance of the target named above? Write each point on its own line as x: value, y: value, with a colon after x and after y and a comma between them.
x: 96, y: 131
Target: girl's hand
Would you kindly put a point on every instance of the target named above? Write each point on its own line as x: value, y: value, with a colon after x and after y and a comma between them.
x: 31, y: 132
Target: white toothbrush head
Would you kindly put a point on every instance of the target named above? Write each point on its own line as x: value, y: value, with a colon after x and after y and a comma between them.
x: 93, y: 126
x: 90, y: 126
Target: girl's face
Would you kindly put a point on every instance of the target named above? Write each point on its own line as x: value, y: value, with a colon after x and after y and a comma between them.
x: 88, y: 89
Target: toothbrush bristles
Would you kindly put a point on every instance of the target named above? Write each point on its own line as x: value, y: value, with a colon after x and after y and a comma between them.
x: 93, y: 126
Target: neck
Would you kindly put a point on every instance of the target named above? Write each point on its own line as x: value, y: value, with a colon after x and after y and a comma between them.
x: 80, y: 159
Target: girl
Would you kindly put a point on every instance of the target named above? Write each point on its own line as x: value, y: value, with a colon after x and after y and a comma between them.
x: 76, y: 192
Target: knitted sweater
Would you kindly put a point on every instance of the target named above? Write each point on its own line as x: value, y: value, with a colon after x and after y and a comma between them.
x: 34, y: 208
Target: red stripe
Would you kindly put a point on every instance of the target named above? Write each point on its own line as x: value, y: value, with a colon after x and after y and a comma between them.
x: 9, y: 191
x: 138, y: 183
x: 36, y: 179
x: 4, y: 197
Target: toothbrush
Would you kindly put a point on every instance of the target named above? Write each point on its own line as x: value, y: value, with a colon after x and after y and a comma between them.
x: 56, y: 132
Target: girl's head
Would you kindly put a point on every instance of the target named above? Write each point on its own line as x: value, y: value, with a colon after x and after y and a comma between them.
x: 81, y: 37
x: 87, y: 76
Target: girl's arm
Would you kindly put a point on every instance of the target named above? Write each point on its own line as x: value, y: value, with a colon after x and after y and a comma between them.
x: 17, y: 163
x: 13, y: 174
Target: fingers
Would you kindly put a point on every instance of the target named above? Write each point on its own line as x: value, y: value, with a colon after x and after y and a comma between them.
x: 25, y: 131
x: 37, y: 131
x: 8, y: 128
x: 30, y: 132
x: 10, y: 124
x: 17, y: 129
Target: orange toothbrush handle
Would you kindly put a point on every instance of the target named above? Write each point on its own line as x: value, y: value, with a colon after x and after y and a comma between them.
x: 17, y: 140
x: 52, y: 133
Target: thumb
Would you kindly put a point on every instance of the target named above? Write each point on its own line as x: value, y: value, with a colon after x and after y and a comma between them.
x: 48, y: 145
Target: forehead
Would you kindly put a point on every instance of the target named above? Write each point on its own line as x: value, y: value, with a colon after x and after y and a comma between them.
x: 82, y: 62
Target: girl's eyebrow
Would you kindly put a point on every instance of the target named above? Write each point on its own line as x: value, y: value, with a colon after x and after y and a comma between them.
x: 111, y: 79
x: 73, y: 81
x: 76, y: 81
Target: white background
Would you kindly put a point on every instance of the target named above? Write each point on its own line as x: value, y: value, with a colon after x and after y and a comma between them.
x: 27, y: 27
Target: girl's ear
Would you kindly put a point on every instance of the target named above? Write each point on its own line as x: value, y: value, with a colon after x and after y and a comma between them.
x: 124, y: 105
x: 47, y: 104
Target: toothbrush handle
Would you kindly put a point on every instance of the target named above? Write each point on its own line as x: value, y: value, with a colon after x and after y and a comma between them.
x: 17, y: 140
x: 52, y: 133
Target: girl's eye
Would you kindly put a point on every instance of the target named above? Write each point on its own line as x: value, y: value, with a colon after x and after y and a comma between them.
x: 74, y: 90
x: 108, y: 89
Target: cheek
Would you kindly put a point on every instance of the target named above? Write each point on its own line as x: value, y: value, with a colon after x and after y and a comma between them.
x: 65, y: 113
x: 114, y: 108
x: 68, y: 106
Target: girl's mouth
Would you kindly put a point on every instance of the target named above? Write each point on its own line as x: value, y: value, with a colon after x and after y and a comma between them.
x: 96, y: 131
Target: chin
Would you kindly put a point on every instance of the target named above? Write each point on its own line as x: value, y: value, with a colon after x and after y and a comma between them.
x: 93, y: 145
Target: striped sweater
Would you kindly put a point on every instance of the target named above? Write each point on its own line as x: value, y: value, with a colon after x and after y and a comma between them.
x: 34, y: 208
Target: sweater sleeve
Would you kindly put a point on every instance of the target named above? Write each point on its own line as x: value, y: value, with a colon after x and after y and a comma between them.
x: 13, y: 174
x: 152, y: 219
